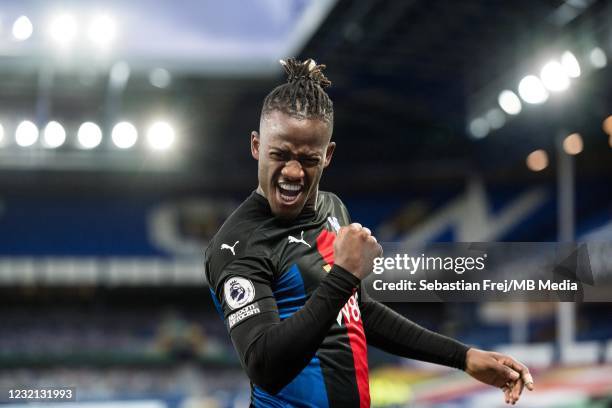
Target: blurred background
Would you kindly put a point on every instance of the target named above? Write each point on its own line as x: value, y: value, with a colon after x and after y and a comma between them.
x: 124, y: 144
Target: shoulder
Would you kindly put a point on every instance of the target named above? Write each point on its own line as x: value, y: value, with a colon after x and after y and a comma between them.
x: 238, y: 239
x: 233, y: 238
x: 329, y: 196
x: 333, y: 204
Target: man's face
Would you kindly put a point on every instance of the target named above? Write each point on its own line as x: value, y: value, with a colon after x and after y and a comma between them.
x: 292, y: 154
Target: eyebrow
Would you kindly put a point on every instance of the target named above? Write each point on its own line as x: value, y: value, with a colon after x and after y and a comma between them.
x: 286, y: 148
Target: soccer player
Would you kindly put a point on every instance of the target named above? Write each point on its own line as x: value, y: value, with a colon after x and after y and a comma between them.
x: 285, y: 271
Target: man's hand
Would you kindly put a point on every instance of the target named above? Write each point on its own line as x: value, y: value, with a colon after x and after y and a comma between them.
x: 500, y: 371
x: 355, y: 249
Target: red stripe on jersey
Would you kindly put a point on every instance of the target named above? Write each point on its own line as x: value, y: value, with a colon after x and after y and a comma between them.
x: 351, y: 315
x: 357, y: 339
x: 325, y: 245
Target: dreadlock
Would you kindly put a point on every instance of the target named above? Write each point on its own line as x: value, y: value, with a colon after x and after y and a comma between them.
x: 303, y: 95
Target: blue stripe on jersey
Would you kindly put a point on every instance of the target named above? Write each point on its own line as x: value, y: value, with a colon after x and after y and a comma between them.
x: 217, y: 304
x: 260, y: 398
x: 289, y: 292
x: 308, y: 388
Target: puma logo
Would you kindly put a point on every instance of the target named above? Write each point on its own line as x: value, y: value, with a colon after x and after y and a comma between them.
x: 231, y: 248
x: 300, y: 241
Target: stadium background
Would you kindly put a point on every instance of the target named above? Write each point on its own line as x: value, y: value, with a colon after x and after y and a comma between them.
x: 101, y: 266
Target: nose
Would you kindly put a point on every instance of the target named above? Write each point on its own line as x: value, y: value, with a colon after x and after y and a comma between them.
x: 293, y: 170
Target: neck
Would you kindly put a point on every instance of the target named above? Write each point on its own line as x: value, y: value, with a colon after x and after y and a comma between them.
x: 316, y: 197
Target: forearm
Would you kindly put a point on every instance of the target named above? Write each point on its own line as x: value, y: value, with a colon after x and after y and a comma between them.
x: 393, y: 333
x: 281, y: 350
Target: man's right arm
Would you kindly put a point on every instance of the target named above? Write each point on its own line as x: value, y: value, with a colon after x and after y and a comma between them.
x: 274, y: 352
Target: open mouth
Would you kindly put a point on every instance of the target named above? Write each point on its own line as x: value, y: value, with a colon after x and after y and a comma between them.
x: 288, y: 193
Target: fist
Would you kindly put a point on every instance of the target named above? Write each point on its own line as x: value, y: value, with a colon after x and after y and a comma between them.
x: 355, y: 249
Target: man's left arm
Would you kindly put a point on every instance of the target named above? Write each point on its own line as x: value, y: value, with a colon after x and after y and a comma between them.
x: 391, y: 332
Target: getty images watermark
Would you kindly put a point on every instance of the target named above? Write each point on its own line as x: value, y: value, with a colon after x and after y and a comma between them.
x: 517, y: 271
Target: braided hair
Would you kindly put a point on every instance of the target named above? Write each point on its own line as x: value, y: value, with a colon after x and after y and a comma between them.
x: 303, y: 96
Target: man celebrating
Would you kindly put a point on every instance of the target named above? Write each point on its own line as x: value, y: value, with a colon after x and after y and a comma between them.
x: 285, y: 272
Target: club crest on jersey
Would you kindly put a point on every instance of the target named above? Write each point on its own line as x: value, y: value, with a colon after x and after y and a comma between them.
x: 333, y: 223
x: 238, y: 292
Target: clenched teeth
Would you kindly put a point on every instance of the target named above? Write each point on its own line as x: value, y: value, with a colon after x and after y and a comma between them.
x: 290, y: 187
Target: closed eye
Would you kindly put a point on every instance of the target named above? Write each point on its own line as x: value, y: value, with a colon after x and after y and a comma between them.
x: 310, y: 161
x: 277, y: 155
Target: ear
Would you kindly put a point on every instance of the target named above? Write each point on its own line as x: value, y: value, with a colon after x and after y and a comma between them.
x: 329, y: 153
x: 255, y: 145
